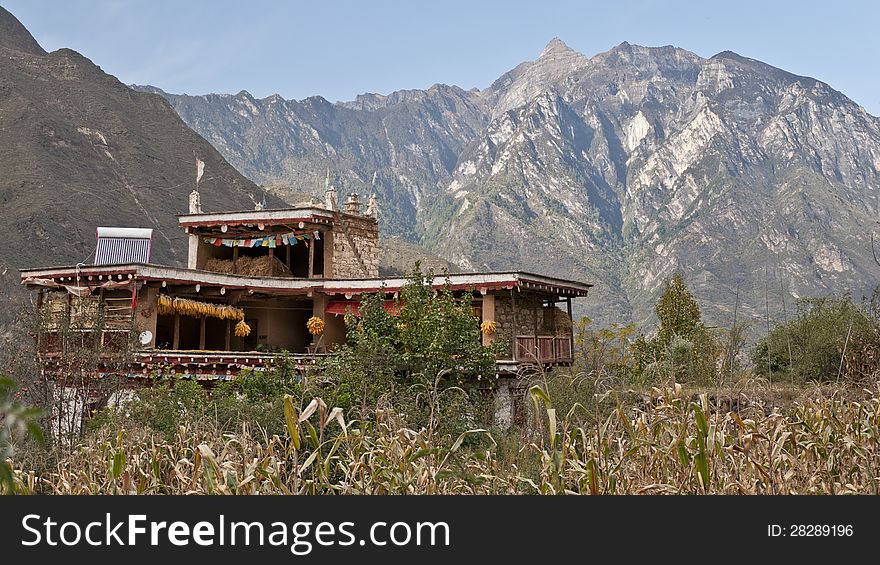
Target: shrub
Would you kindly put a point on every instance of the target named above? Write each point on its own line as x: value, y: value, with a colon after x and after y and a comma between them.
x: 811, y: 346
x: 603, y: 351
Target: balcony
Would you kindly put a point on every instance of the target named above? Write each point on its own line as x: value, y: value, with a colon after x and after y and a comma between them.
x: 544, y: 350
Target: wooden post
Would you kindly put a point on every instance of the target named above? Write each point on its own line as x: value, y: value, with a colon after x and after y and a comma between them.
x: 175, y: 342
x: 228, y: 335
x: 234, y: 255
x: 288, y: 246
x: 40, y: 319
x: 515, y: 332
x: 202, y: 332
x: 319, y: 309
x: 570, y: 327
x: 537, y: 346
x: 99, y: 339
x: 488, y: 313
x: 312, y: 258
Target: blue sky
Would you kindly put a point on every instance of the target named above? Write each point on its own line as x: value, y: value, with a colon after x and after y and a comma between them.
x: 340, y: 49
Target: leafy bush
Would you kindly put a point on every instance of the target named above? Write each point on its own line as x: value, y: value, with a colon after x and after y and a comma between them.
x: 603, y: 351
x: 811, y: 346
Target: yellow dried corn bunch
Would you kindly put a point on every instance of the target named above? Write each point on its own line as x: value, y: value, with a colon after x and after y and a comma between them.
x: 489, y: 327
x: 165, y: 305
x: 242, y: 329
x: 315, y: 325
x: 186, y: 307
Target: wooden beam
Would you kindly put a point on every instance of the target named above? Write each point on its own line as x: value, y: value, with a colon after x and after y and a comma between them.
x: 202, y: 332
x: 228, y: 335
x: 311, y: 259
x: 175, y: 342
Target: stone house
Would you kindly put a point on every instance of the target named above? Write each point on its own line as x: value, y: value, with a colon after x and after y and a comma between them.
x: 253, y: 281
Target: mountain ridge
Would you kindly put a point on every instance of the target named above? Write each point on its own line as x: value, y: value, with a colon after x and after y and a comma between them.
x: 617, y: 168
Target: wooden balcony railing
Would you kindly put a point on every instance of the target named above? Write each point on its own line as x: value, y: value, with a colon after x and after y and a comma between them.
x: 543, y: 349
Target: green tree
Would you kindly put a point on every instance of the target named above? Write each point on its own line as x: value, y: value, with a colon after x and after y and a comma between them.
x: 426, y: 358
x: 683, y: 348
x: 363, y: 370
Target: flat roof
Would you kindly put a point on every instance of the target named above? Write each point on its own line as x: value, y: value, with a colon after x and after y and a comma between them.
x: 268, y: 217
x: 95, y: 275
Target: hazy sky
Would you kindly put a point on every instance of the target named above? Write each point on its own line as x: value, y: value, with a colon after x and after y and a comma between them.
x: 341, y: 49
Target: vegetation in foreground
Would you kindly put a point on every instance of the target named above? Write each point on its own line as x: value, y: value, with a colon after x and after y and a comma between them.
x: 678, y: 412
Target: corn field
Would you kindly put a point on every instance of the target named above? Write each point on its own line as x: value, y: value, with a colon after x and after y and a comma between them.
x: 669, y: 445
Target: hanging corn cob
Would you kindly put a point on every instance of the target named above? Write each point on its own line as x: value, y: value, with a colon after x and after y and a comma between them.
x: 167, y: 305
x: 242, y: 329
x: 488, y: 327
x: 315, y: 325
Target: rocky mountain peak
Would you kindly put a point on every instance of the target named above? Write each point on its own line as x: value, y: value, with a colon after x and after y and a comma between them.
x: 15, y: 36
x: 516, y: 87
x: 555, y: 48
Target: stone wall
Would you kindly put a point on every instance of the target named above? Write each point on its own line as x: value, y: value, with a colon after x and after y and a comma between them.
x: 527, y: 307
x: 364, y: 234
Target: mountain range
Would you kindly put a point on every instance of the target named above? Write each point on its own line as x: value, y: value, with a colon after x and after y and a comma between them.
x: 79, y: 149
x: 759, y: 185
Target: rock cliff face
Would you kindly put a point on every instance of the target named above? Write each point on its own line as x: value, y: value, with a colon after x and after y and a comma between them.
x: 760, y: 185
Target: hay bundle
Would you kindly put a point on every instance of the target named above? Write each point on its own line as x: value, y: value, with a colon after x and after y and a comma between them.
x: 262, y: 266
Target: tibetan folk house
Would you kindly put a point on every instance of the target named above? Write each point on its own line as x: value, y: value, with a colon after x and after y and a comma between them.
x: 253, y: 281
